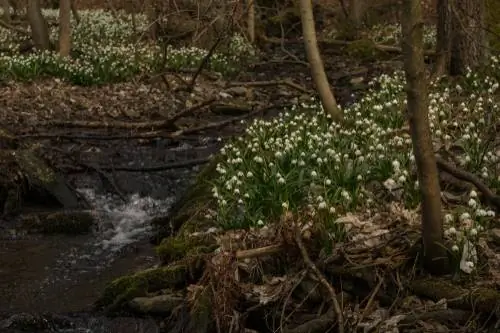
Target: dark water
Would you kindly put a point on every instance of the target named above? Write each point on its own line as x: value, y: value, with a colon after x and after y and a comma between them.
x: 66, y: 274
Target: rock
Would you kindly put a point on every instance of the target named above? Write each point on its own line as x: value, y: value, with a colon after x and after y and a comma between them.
x: 64, y: 222
x: 162, y: 304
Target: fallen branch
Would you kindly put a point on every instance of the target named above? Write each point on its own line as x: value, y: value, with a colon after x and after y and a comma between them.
x: 322, y: 280
x: 259, y: 252
x: 286, y: 82
x: 484, y: 300
x: 491, y: 198
x: 224, y: 122
x: 169, y: 166
x: 167, y: 123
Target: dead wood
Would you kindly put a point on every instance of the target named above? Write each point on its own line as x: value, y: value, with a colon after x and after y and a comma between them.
x: 320, y: 324
x: 169, y: 166
x: 167, y: 123
x: 259, y: 252
x: 285, y: 82
x: 226, y: 122
x: 323, y: 281
x: 482, y: 299
x: 491, y: 198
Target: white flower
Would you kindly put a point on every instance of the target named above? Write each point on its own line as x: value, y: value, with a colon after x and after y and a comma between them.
x: 454, y: 248
x: 314, y: 174
x: 322, y: 205
x: 284, y: 205
x: 281, y: 180
x: 472, y: 203
x: 473, y: 232
x: 260, y: 223
x: 473, y: 194
x: 328, y: 182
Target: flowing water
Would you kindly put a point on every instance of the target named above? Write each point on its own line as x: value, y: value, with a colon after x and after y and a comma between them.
x: 65, y: 274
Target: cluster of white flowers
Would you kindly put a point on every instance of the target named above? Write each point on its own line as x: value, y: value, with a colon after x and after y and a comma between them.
x: 303, y: 159
x: 108, y: 49
x: 392, y: 34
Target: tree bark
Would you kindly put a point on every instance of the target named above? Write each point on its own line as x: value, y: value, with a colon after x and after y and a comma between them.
x: 443, y: 43
x: 74, y: 11
x: 152, y: 16
x: 468, y: 35
x: 38, y: 25
x: 356, y: 16
x: 316, y: 63
x: 435, y: 256
x: 251, y: 21
x: 64, y: 28
x: 5, y: 5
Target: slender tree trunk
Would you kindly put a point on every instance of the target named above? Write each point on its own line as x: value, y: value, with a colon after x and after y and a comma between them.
x: 74, y: 11
x: 251, y: 20
x: 39, y: 27
x: 468, y: 35
x: 152, y: 16
x: 64, y: 27
x: 317, y: 68
x: 443, y: 43
x: 435, y: 256
x: 356, y: 16
x: 5, y: 5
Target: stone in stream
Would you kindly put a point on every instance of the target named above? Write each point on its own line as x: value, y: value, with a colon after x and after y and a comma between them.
x: 24, y: 176
x: 162, y: 304
x: 59, y: 222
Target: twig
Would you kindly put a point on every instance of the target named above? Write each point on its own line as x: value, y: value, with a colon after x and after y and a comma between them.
x: 203, y: 63
x: 259, y: 252
x: 370, y: 300
x: 491, y: 198
x: 322, y: 280
x: 169, y: 166
x: 223, y: 122
x: 286, y: 82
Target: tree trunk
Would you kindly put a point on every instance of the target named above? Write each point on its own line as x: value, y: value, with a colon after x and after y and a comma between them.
x: 64, y: 27
x: 251, y: 21
x: 317, y: 68
x: 435, y: 255
x: 152, y: 16
x: 38, y: 25
x: 468, y: 35
x: 6, y: 11
x: 443, y: 43
x: 75, y: 13
x: 356, y: 16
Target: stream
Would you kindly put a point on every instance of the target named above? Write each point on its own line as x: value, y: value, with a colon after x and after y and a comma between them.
x: 65, y: 274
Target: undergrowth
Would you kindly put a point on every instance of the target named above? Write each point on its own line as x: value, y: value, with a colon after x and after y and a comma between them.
x: 107, y: 49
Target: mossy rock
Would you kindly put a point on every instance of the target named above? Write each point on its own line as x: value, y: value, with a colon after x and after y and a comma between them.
x: 122, y: 290
x: 177, y: 247
x: 363, y: 49
x: 188, y: 212
x: 63, y: 222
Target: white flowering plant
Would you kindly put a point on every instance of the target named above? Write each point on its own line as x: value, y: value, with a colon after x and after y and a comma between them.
x: 304, y: 162
x: 108, y: 49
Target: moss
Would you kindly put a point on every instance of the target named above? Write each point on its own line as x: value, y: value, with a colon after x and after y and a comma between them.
x: 140, y: 284
x: 76, y: 222
x: 363, y: 49
x: 175, y: 248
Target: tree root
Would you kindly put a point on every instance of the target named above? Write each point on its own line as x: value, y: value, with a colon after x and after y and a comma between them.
x: 480, y: 299
x: 491, y: 198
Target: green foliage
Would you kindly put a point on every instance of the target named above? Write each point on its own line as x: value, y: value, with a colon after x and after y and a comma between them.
x: 305, y: 163
x: 106, y: 50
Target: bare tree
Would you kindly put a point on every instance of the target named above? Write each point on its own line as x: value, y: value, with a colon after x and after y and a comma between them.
x: 356, y: 8
x: 461, y: 37
x: 152, y: 15
x: 38, y: 25
x: 251, y: 20
x: 64, y: 27
x: 435, y: 256
x: 316, y: 63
